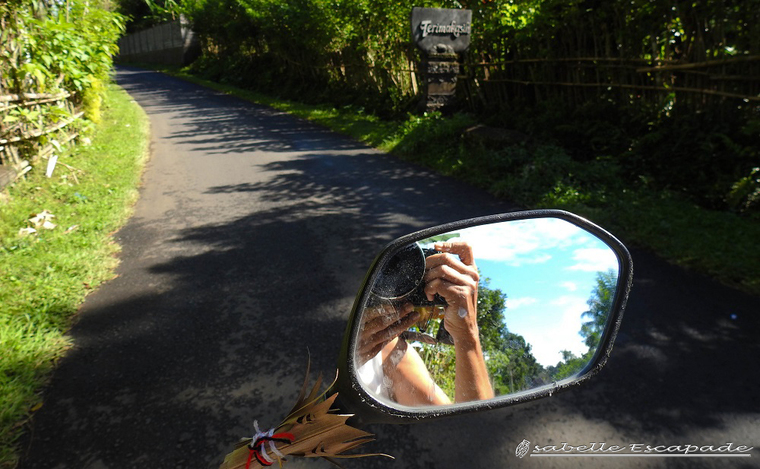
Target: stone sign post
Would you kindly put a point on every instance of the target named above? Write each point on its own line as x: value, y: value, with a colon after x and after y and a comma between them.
x: 441, y: 35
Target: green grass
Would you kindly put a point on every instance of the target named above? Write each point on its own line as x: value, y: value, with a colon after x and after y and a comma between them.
x: 44, y: 277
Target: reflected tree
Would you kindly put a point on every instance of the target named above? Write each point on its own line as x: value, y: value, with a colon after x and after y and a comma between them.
x: 509, y: 359
x: 570, y: 365
x: 600, y: 305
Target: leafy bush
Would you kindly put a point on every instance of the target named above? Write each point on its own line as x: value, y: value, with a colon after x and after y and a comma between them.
x: 49, y: 47
x: 428, y: 139
x: 745, y: 193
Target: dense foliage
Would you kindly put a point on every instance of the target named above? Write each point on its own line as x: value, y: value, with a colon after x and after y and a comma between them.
x: 631, y: 84
x: 143, y: 14
x: 54, y: 60
x: 353, y: 52
x: 47, y: 46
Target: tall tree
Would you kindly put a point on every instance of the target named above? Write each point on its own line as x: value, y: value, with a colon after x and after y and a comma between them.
x: 600, y: 305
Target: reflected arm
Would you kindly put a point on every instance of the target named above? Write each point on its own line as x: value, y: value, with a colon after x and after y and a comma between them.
x: 454, y: 276
x: 471, y: 382
x: 412, y: 383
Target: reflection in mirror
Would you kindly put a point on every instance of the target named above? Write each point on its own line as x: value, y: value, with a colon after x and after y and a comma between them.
x: 485, y: 311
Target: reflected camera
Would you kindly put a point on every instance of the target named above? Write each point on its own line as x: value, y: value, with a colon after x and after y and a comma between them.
x: 401, y: 278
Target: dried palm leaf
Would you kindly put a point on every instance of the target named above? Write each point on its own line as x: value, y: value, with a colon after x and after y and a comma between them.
x: 311, y: 430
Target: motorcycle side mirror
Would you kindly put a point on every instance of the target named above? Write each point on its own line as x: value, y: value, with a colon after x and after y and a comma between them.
x: 482, y: 313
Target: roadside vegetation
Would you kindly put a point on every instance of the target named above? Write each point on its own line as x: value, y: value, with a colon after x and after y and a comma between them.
x: 58, y: 115
x: 46, y: 274
x: 541, y: 173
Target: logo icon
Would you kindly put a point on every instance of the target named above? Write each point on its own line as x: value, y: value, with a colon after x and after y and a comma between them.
x: 522, y: 449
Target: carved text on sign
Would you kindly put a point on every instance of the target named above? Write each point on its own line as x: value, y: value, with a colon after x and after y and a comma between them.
x: 429, y: 28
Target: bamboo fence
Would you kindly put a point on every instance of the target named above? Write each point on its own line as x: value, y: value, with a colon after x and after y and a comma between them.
x: 22, y: 142
x: 692, y: 86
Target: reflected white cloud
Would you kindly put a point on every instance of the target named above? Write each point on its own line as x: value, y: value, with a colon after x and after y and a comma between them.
x: 526, y: 242
x: 548, y: 345
x: 594, y: 260
x: 568, y: 302
x: 569, y: 286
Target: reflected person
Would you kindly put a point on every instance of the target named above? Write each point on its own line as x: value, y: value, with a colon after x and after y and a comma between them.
x: 392, y: 369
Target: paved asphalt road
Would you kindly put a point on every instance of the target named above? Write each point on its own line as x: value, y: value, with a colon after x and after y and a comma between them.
x: 247, y: 246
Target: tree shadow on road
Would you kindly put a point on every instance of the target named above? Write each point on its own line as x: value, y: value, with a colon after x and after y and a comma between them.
x: 219, y: 124
x: 176, y: 357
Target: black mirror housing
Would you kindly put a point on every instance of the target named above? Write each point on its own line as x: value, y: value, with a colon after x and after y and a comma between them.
x: 354, y: 395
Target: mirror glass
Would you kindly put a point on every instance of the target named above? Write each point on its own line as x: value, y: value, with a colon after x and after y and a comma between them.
x: 485, y: 311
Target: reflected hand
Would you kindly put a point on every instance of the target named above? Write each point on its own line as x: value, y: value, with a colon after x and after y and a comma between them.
x: 380, y: 325
x: 452, y: 275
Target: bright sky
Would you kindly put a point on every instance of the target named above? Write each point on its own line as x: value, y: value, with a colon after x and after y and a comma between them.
x: 547, y: 267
